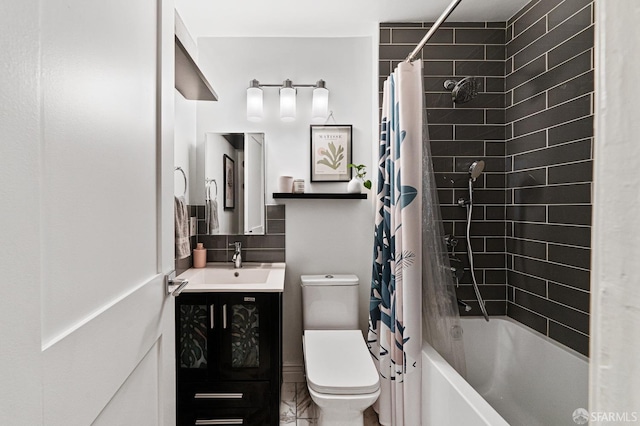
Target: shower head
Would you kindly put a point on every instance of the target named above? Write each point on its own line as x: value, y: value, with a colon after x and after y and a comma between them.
x: 476, y: 169
x: 464, y: 90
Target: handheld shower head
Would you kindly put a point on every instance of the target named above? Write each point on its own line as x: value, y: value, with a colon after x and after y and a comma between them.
x: 476, y: 169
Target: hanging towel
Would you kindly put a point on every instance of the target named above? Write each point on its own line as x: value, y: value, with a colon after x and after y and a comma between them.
x: 183, y: 246
x: 211, y: 216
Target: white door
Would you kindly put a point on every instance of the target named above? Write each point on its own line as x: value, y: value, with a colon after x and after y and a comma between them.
x: 87, y: 198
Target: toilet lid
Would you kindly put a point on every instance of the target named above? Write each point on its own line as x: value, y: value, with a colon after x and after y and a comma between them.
x: 338, y: 362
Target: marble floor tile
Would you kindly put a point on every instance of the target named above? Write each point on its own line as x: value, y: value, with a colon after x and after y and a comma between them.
x: 305, y: 407
x: 298, y: 409
x: 370, y: 417
x: 288, y: 404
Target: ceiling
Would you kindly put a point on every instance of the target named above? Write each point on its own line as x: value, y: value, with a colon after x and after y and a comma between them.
x: 327, y: 18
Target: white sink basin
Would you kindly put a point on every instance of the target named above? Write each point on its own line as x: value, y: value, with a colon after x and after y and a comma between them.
x: 223, y: 277
x: 245, y: 275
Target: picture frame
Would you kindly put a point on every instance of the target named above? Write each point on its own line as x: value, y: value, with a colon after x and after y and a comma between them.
x: 331, y: 146
x: 229, y: 185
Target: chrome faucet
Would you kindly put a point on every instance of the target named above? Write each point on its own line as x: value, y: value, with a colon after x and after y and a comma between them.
x: 237, y: 256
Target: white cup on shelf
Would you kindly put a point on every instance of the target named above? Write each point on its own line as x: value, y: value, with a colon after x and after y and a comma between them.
x: 285, y: 184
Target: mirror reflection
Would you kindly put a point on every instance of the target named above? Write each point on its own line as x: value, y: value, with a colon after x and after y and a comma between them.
x: 234, y: 183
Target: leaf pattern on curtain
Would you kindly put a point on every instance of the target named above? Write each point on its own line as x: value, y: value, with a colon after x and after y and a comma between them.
x: 193, y: 336
x: 388, y: 266
x: 395, y: 333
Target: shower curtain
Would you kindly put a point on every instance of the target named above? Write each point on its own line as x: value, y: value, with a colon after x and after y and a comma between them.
x: 395, y: 334
x: 440, y: 316
x: 412, y: 291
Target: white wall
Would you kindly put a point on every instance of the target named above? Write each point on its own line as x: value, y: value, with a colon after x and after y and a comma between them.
x: 615, y: 293
x: 323, y: 236
x: 184, y: 148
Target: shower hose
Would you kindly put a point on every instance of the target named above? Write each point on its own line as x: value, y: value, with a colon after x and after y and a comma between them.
x: 470, y: 253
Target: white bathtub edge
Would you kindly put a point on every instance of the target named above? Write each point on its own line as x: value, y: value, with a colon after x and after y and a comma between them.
x: 537, y: 333
x: 485, y: 412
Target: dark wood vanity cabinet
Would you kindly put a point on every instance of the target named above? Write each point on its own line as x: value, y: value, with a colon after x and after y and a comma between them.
x: 228, y: 358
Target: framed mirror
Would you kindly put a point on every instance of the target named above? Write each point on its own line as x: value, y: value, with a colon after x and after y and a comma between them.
x: 232, y: 179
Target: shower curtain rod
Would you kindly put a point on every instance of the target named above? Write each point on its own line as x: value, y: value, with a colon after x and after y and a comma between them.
x: 432, y: 30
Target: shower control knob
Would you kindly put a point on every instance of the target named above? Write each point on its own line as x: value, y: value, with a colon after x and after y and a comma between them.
x: 450, y: 240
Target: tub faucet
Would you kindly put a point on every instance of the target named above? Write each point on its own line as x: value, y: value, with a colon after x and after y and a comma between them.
x: 237, y: 256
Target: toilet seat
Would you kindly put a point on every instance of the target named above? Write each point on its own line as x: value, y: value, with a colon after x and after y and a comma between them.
x: 338, y: 362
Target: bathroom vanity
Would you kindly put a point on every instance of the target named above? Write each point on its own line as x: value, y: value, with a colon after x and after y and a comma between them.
x: 229, y: 345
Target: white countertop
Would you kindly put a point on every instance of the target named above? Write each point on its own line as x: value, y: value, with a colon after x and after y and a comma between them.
x: 223, y: 277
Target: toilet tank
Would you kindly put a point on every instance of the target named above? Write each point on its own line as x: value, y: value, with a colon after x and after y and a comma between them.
x: 329, y: 302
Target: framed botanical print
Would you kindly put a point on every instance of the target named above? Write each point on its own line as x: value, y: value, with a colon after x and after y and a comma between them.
x: 229, y: 182
x: 331, y: 146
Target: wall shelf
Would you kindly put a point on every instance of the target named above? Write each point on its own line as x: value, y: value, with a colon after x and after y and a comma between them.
x: 321, y: 195
x: 190, y: 81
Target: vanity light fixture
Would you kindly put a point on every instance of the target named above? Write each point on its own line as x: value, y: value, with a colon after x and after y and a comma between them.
x: 287, y: 101
x: 288, y: 90
x: 320, y: 103
x: 254, y: 101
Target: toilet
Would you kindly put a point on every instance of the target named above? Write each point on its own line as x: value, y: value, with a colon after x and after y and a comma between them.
x: 341, y: 376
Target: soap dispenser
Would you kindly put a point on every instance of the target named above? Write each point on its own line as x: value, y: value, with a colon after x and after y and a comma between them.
x: 199, y: 256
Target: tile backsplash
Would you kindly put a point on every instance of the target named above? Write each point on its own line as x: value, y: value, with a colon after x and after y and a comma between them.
x: 255, y: 248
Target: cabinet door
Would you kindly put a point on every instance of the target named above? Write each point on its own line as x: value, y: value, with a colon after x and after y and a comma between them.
x: 245, y: 347
x: 196, y: 353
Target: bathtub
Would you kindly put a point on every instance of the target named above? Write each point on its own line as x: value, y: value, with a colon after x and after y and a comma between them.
x: 515, y: 376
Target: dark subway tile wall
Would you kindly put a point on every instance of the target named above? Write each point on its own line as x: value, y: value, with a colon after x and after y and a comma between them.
x: 255, y: 248
x: 549, y: 91
x: 461, y: 134
x: 532, y: 123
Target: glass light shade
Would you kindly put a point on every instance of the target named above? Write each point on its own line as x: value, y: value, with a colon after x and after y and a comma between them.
x: 288, y: 104
x: 254, y: 104
x: 320, y: 105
